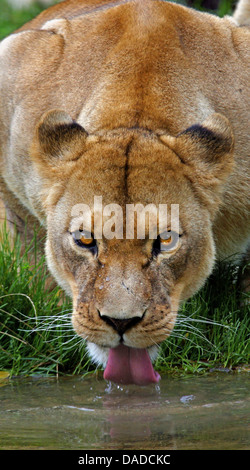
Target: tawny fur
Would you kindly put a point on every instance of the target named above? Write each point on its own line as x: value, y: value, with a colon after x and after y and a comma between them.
x: 136, y: 76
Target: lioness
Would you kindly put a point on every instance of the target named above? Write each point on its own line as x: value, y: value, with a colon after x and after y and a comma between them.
x: 124, y: 103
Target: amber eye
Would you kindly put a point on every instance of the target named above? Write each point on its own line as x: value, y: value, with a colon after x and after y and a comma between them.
x: 84, y: 239
x: 166, y: 242
x: 167, y: 238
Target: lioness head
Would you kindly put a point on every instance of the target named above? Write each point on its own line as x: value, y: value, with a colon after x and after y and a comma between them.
x: 126, y: 289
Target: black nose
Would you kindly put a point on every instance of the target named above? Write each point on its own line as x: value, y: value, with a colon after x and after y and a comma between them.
x: 121, y: 325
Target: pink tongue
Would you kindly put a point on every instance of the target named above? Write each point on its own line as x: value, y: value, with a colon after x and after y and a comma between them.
x: 130, y: 366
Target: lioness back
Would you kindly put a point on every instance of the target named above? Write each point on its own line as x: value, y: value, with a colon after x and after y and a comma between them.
x: 111, y: 106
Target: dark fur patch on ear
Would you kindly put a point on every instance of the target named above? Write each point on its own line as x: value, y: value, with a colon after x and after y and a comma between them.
x: 215, y: 142
x: 201, y: 132
x: 53, y: 139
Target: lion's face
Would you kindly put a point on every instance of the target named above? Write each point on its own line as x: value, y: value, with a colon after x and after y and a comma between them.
x: 126, y: 291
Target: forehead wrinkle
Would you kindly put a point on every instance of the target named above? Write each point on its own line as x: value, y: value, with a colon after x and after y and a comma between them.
x: 131, y: 174
x: 126, y: 169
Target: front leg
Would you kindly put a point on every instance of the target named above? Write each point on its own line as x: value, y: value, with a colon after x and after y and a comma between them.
x: 19, y: 220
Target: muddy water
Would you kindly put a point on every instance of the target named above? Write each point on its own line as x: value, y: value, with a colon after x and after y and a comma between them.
x: 208, y: 412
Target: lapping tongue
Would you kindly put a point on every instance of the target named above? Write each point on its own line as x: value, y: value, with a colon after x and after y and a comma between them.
x: 130, y: 366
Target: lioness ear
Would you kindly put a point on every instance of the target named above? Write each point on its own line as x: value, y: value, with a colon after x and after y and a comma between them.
x: 57, y: 138
x: 206, y: 151
x: 206, y: 147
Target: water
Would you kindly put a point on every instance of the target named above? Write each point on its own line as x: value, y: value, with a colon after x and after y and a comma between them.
x: 208, y: 412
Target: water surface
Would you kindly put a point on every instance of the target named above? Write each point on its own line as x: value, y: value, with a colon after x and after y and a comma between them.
x: 208, y: 412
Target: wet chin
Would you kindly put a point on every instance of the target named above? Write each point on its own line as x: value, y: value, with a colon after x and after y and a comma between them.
x: 99, y: 354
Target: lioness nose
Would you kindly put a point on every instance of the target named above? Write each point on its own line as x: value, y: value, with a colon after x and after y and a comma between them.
x: 121, y: 325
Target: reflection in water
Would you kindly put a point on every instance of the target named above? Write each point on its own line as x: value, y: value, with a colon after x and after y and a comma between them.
x: 208, y: 412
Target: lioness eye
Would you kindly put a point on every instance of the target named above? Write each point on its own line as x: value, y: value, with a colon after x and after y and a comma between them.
x: 165, y: 242
x: 84, y: 239
x: 165, y: 239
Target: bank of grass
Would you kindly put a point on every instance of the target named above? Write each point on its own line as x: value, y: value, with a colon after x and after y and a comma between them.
x: 36, y: 336
x: 11, y: 19
x: 35, y: 331
x: 212, y: 328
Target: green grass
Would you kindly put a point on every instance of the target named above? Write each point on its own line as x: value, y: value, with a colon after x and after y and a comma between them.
x: 11, y: 19
x: 212, y: 328
x: 36, y: 336
x: 35, y: 332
